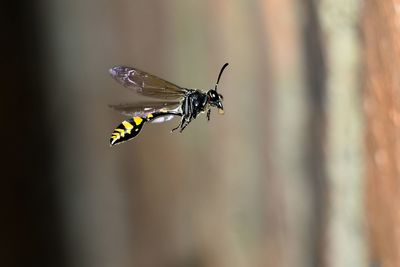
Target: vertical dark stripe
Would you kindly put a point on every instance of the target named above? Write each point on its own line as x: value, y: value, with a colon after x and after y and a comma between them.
x: 30, y: 218
x: 316, y: 79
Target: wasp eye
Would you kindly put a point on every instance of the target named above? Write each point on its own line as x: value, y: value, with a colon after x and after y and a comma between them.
x: 220, y: 96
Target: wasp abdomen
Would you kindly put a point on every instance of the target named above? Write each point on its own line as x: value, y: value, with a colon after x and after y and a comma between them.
x: 130, y: 128
x: 127, y: 130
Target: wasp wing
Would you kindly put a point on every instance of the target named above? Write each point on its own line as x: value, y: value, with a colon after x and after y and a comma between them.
x: 146, y: 84
x: 144, y: 109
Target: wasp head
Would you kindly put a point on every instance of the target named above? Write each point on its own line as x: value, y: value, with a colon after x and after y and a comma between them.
x: 215, y: 100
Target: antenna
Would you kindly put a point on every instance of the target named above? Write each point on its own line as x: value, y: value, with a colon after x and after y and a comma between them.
x: 220, y: 73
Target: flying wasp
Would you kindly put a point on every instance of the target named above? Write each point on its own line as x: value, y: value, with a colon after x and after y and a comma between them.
x: 173, y: 101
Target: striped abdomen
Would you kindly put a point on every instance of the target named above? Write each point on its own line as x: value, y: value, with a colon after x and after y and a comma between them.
x: 128, y: 129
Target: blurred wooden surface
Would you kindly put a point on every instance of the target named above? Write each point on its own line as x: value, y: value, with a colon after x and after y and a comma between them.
x: 381, y: 35
x: 344, y: 147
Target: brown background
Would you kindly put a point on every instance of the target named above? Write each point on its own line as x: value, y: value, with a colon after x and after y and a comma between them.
x: 302, y: 170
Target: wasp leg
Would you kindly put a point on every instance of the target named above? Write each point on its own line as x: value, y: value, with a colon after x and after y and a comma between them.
x: 188, y: 119
x: 208, y: 114
x: 179, y: 125
x: 185, y: 111
x: 184, y: 126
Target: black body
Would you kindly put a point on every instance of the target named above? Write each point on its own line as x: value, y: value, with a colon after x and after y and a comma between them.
x: 192, y: 105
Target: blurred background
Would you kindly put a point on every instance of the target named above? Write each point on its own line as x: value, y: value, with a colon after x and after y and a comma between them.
x: 302, y: 170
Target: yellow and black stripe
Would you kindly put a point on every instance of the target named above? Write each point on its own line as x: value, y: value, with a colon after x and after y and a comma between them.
x: 127, y: 130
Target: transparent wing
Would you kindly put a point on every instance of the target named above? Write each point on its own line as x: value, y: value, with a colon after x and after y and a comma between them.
x: 142, y: 109
x: 146, y: 84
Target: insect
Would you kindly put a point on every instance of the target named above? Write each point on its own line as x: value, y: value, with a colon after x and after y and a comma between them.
x: 173, y: 101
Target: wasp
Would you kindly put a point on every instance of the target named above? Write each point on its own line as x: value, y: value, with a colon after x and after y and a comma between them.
x: 173, y: 101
